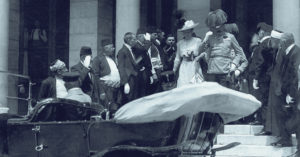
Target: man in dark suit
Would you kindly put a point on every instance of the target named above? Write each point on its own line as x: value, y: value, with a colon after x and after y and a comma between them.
x: 107, y: 75
x: 128, y: 68
x: 86, y: 73
x: 145, y: 72
x: 289, y: 86
x: 53, y: 86
x: 260, y: 65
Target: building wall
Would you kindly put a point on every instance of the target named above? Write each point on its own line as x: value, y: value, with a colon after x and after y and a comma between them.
x: 83, y: 28
x: 197, y: 11
x: 13, y: 53
x: 106, y: 21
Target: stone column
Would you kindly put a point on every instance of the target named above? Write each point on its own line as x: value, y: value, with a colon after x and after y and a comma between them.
x: 4, y: 43
x: 127, y: 19
x: 286, y: 17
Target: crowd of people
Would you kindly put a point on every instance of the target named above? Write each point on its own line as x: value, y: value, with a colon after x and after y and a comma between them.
x: 148, y: 61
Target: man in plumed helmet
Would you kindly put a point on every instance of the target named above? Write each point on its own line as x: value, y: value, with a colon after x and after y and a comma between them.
x: 84, y: 68
x: 219, y: 44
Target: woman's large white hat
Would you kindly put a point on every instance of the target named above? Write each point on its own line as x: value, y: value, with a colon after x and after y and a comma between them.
x: 188, y: 25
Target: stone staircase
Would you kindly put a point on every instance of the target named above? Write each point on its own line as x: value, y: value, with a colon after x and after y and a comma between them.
x: 251, y: 146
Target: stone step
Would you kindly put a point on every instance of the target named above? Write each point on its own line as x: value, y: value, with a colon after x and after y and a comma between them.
x: 242, y: 129
x: 224, y: 139
x: 256, y: 151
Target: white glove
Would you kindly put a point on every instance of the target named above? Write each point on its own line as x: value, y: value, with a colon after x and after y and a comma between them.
x: 87, y: 61
x: 232, y: 67
x: 255, y: 84
x: 151, y: 80
x: 154, y: 77
x: 289, y: 99
x: 209, y: 33
x: 147, y: 36
x: 237, y: 73
x: 126, y: 88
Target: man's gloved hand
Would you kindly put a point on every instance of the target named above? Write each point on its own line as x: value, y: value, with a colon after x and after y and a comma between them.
x: 209, y: 33
x: 289, y: 99
x: 147, y: 36
x: 237, y: 73
x: 151, y: 80
x: 87, y: 61
x: 232, y: 67
x: 255, y: 84
x: 126, y: 88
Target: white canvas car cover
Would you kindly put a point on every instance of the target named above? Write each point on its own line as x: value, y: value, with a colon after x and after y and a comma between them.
x: 188, y: 100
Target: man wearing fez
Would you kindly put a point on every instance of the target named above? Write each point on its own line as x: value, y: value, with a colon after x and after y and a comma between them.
x: 146, y: 71
x: 72, y: 84
x: 107, y: 75
x: 128, y: 68
x: 86, y: 73
x: 53, y: 86
x: 259, y: 68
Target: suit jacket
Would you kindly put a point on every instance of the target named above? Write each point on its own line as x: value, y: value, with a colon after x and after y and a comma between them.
x: 141, y: 50
x: 126, y: 64
x: 100, y: 66
x: 289, y: 72
x: 262, y: 61
x: 48, y: 88
x: 87, y: 81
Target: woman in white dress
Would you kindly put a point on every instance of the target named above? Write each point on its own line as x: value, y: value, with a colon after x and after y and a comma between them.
x: 187, y: 51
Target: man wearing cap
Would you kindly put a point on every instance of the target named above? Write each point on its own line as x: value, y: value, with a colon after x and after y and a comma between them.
x: 146, y: 72
x: 107, y: 74
x: 289, y: 86
x: 72, y: 84
x: 53, y: 86
x: 259, y: 68
x: 86, y: 74
x: 128, y: 68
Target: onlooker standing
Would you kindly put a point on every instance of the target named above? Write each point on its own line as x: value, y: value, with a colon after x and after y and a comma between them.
x: 107, y: 75
x: 128, y: 68
x: 145, y: 73
x: 170, y: 52
x: 86, y: 75
x: 288, y: 72
x: 260, y: 67
x: 53, y: 86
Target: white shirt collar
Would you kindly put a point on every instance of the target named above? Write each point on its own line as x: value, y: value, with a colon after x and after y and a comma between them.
x: 128, y: 46
x: 264, y: 38
x: 287, y: 51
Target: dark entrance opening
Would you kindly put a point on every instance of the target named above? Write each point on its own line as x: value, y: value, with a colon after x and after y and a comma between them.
x: 44, y: 37
x: 247, y: 14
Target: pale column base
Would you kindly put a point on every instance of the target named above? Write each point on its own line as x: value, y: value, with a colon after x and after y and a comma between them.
x: 3, y: 110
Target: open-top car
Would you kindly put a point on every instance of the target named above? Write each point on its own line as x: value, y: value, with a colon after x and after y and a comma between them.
x: 162, y: 124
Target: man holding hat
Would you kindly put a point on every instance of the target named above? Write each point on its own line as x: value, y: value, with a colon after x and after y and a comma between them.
x: 259, y: 68
x: 86, y: 73
x: 53, y: 86
x: 72, y: 84
x: 107, y: 74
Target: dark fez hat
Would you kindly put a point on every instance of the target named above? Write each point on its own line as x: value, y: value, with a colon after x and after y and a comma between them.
x: 70, y: 76
x: 105, y: 42
x: 85, y: 50
x: 265, y: 27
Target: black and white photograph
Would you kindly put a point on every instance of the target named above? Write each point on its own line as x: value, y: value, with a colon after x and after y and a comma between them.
x: 149, y: 78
